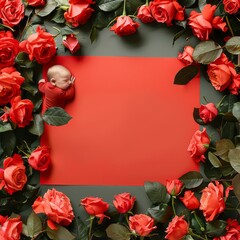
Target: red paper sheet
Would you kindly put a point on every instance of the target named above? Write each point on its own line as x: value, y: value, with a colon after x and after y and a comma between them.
x: 130, y: 123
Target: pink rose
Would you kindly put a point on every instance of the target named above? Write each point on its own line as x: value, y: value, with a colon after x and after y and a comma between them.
x: 11, y: 12
x: 40, y: 158
x: 212, y: 200
x: 174, y: 187
x: 221, y: 72
x: 124, y: 202
x: 9, y: 49
x: 95, y: 206
x: 231, y: 6
x: 208, y: 112
x: 189, y: 200
x: 36, y: 3
x: 71, y: 42
x: 141, y: 224
x: 125, y: 26
x: 10, y: 228
x: 165, y: 11
x: 198, y: 145
x: 13, y: 177
x: 203, y: 23
x: 234, y: 85
x: 187, y: 55
x: 56, y: 205
x: 177, y: 228
x: 40, y: 46
x: 144, y: 14
x: 21, y: 111
x: 78, y: 12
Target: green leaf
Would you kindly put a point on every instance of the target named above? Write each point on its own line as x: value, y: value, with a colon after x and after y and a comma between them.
x: 60, y: 234
x: 187, y: 3
x: 37, y: 125
x: 82, y: 229
x: 4, y: 127
x: 222, y: 148
x: 58, y: 16
x: 47, y: 9
x: 236, y: 186
x: 216, y: 228
x: 234, y: 158
x: 62, y: 2
x: 109, y: 5
x: 201, y: 4
x: 206, y: 52
x: 25, y: 230
x: 236, y: 110
x: 67, y: 30
x: 34, y: 225
x: 214, y: 160
x: 93, y: 34
x: 23, y: 61
x: 30, y: 88
x: 56, y: 116
x: 196, y: 116
x: 186, y: 74
x: 156, y: 192
x: 8, y: 142
x: 227, y: 103
x: 117, y: 231
x: 233, y: 45
x: 161, y: 213
x: 191, y: 179
x: 179, y: 34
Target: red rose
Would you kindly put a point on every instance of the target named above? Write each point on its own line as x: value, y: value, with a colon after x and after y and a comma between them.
x: 234, y: 85
x: 124, y: 26
x: 40, y: 158
x: 231, y: 6
x: 95, y: 206
x: 11, y: 12
x: 144, y: 14
x: 187, y: 55
x: 10, y: 86
x: 56, y: 205
x: 203, y: 23
x: 177, y: 228
x: 21, y: 111
x: 36, y: 3
x: 78, y: 12
x: 124, y: 202
x: 165, y: 11
x: 199, y: 145
x: 221, y: 72
x: 212, y: 200
x: 13, y: 177
x: 208, y: 112
x: 189, y: 200
x: 174, y: 187
x: 40, y: 46
x: 141, y: 224
x: 11, y: 228
x: 71, y: 42
x: 233, y: 231
x: 9, y: 48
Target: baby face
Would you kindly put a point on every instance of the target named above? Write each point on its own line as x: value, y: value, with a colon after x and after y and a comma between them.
x: 63, y: 80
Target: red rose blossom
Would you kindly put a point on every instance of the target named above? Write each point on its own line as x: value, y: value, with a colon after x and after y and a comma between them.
x: 177, y: 228
x: 141, y: 224
x: 36, y: 3
x: 21, y: 111
x: 78, y: 12
x: 40, y: 158
x: 231, y: 6
x: 71, y: 42
x: 199, y: 145
x: 40, y: 46
x: 56, y: 205
x: 234, y: 85
x: 186, y: 56
x: 95, y: 206
x: 124, y: 202
x: 174, y: 187
x: 125, y: 26
x: 190, y: 201
x: 13, y: 177
x: 11, y: 12
x: 208, y: 112
x: 144, y: 14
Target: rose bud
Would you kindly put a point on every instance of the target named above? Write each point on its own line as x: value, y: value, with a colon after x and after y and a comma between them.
x: 186, y: 56
x: 144, y: 14
x: 124, y: 202
x: 189, y: 200
x: 174, y: 187
x: 208, y: 112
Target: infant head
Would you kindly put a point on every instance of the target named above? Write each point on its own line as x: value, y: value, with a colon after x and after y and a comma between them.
x: 59, y: 76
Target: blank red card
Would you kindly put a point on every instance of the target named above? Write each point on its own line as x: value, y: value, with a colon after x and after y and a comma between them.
x: 130, y: 123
